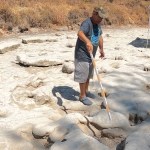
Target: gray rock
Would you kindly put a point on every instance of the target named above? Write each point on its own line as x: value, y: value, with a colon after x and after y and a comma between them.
x: 24, y: 41
x: 101, y: 120
x: 137, y: 141
x: 51, y: 128
x: 37, y: 61
x: 147, y: 67
x: 113, y: 133
x: 10, y: 48
x: 77, y: 140
x: 68, y: 67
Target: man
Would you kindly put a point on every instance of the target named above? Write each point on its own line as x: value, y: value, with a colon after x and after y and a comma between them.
x: 89, y: 39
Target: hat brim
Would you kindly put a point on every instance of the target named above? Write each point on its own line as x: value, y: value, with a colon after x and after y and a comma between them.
x: 102, y: 15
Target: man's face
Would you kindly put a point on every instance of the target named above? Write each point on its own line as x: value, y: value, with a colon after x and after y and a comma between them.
x: 97, y: 18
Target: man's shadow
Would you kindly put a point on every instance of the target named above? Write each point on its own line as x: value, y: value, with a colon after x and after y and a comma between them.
x: 66, y: 92
x: 140, y: 43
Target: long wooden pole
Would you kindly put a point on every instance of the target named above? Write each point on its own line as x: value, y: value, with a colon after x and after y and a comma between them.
x: 103, y: 93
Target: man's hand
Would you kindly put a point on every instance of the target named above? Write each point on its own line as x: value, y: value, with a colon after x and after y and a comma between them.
x: 89, y: 47
x: 88, y: 43
x: 102, y: 54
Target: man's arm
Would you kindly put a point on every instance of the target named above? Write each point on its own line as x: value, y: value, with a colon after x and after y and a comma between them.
x: 88, y: 43
x: 102, y: 54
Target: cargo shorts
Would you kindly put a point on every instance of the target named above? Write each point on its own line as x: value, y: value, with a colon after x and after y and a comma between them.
x: 83, y: 71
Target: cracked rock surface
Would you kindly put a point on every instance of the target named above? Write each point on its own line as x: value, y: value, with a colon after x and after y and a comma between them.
x: 39, y: 106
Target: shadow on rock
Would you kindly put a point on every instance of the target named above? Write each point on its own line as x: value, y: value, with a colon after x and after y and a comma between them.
x: 65, y: 92
x: 121, y: 145
x: 140, y: 43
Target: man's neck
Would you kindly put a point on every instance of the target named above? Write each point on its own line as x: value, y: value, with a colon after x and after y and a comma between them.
x: 93, y: 22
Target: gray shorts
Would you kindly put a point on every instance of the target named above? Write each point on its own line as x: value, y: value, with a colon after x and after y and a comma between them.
x: 83, y: 71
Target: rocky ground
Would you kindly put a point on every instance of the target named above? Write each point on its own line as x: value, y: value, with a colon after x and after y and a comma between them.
x: 39, y: 107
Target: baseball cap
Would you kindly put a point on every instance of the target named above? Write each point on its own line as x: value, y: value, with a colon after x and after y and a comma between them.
x: 100, y: 12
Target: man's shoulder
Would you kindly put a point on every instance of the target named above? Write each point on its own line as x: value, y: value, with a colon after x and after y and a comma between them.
x: 86, y: 24
x: 88, y: 20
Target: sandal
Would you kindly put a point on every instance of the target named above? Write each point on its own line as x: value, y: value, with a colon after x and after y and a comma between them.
x: 85, y: 101
x: 91, y: 95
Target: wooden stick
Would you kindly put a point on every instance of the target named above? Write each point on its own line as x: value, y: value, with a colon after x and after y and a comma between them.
x: 101, y: 87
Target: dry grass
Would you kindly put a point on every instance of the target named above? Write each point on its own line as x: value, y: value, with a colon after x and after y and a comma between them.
x: 44, y: 13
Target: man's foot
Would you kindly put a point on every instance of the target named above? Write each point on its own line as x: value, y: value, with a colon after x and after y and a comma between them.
x: 89, y: 94
x: 85, y: 101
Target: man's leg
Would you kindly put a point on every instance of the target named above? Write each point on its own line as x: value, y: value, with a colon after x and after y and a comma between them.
x: 83, y: 97
x: 82, y: 90
x: 81, y: 75
x: 87, y: 86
